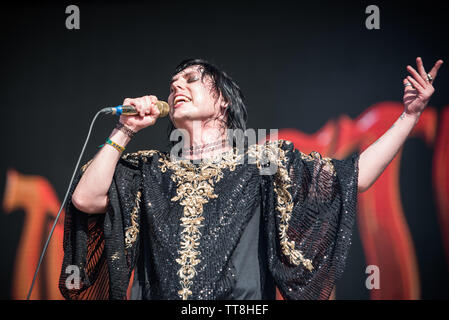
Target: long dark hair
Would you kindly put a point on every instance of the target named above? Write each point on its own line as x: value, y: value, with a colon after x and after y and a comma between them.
x: 222, y: 84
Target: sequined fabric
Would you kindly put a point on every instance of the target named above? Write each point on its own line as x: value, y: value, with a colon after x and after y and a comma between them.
x: 178, y: 225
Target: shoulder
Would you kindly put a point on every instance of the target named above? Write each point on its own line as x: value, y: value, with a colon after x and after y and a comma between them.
x: 283, y: 152
x: 271, y: 156
x: 133, y: 160
x: 289, y: 149
x: 142, y: 156
x: 312, y: 159
x: 272, y: 150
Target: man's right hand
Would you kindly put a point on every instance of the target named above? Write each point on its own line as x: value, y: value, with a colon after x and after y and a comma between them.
x: 147, y: 116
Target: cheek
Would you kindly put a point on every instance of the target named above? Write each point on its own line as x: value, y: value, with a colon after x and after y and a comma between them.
x: 170, y: 99
x: 205, y: 98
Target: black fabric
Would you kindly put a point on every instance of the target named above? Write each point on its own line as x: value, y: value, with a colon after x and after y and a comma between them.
x: 94, y: 242
x: 246, y: 265
x: 245, y: 260
x: 225, y: 230
x: 324, y: 206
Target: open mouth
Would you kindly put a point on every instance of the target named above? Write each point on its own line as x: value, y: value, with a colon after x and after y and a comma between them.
x: 179, y: 100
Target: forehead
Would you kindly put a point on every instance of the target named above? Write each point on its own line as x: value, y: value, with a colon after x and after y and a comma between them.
x: 186, y: 72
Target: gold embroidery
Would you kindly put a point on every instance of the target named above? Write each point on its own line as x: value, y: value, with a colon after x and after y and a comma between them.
x: 195, y: 188
x: 272, y: 151
x: 141, y: 154
x: 83, y: 168
x: 131, y: 157
x: 132, y: 231
x: 115, y: 256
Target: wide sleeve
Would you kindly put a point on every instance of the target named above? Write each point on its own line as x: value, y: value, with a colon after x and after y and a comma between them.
x: 100, y: 250
x: 310, y: 205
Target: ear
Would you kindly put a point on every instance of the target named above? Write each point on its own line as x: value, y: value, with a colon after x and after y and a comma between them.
x: 224, y: 105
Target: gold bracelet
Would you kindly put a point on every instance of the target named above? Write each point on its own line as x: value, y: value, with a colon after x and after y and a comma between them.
x: 118, y: 147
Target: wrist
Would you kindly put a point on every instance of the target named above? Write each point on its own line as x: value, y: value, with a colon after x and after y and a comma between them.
x: 412, y: 116
x: 130, y: 132
x: 119, y: 137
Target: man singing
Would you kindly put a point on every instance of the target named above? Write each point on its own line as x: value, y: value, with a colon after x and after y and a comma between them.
x: 209, y: 221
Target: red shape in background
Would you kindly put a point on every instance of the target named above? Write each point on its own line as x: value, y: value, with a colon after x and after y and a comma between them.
x: 385, y: 235
x: 383, y: 228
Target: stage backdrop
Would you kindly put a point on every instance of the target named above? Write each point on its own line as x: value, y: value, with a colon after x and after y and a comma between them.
x: 313, y: 71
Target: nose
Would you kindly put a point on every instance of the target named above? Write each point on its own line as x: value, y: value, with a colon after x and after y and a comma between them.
x: 177, y: 85
x: 175, y: 88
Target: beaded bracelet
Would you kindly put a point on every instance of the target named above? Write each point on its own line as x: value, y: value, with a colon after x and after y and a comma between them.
x: 120, y: 126
x: 115, y: 145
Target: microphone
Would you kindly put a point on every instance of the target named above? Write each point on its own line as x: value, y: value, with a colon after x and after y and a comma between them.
x: 131, y: 110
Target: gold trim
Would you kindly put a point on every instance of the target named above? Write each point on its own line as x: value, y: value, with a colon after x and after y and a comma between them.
x: 141, y: 154
x: 282, y: 182
x: 83, y: 168
x: 132, y: 231
x: 195, y: 188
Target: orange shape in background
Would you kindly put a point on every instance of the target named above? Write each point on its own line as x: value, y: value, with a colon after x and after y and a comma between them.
x: 37, y: 198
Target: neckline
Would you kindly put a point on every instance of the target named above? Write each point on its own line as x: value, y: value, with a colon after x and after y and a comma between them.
x: 229, y: 157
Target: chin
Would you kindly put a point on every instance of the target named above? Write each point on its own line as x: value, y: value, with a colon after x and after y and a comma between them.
x: 179, y: 114
x: 179, y: 117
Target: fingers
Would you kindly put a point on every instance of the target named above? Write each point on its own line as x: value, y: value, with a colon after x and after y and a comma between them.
x: 148, y: 103
x: 416, y: 77
x: 435, y: 68
x: 151, y: 108
x: 421, y: 70
x: 128, y: 102
x: 137, y: 103
x: 155, y: 112
x: 415, y: 84
x: 408, y: 87
x: 153, y: 99
x: 144, y: 105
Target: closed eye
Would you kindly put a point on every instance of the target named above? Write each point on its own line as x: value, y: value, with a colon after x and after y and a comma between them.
x: 193, y: 79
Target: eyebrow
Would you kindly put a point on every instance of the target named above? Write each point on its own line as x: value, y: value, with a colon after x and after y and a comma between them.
x: 185, y: 75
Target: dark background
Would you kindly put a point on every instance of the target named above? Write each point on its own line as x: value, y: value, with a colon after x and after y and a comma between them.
x: 299, y: 64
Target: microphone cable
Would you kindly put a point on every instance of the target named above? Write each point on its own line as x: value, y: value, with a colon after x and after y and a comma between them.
x: 125, y: 110
x: 62, y: 205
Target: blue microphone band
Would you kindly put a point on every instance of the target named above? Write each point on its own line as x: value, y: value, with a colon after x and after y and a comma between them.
x: 131, y: 110
x: 118, y: 110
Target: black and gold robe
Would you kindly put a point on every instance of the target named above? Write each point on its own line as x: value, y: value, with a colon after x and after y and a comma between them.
x: 232, y: 228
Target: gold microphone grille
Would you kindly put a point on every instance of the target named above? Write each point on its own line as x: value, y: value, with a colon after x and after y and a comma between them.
x: 163, y: 108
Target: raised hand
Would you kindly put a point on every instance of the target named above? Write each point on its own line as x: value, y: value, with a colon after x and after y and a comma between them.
x: 418, y: 87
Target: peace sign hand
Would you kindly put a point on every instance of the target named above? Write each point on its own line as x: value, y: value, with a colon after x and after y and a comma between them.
x: 418, y: 89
